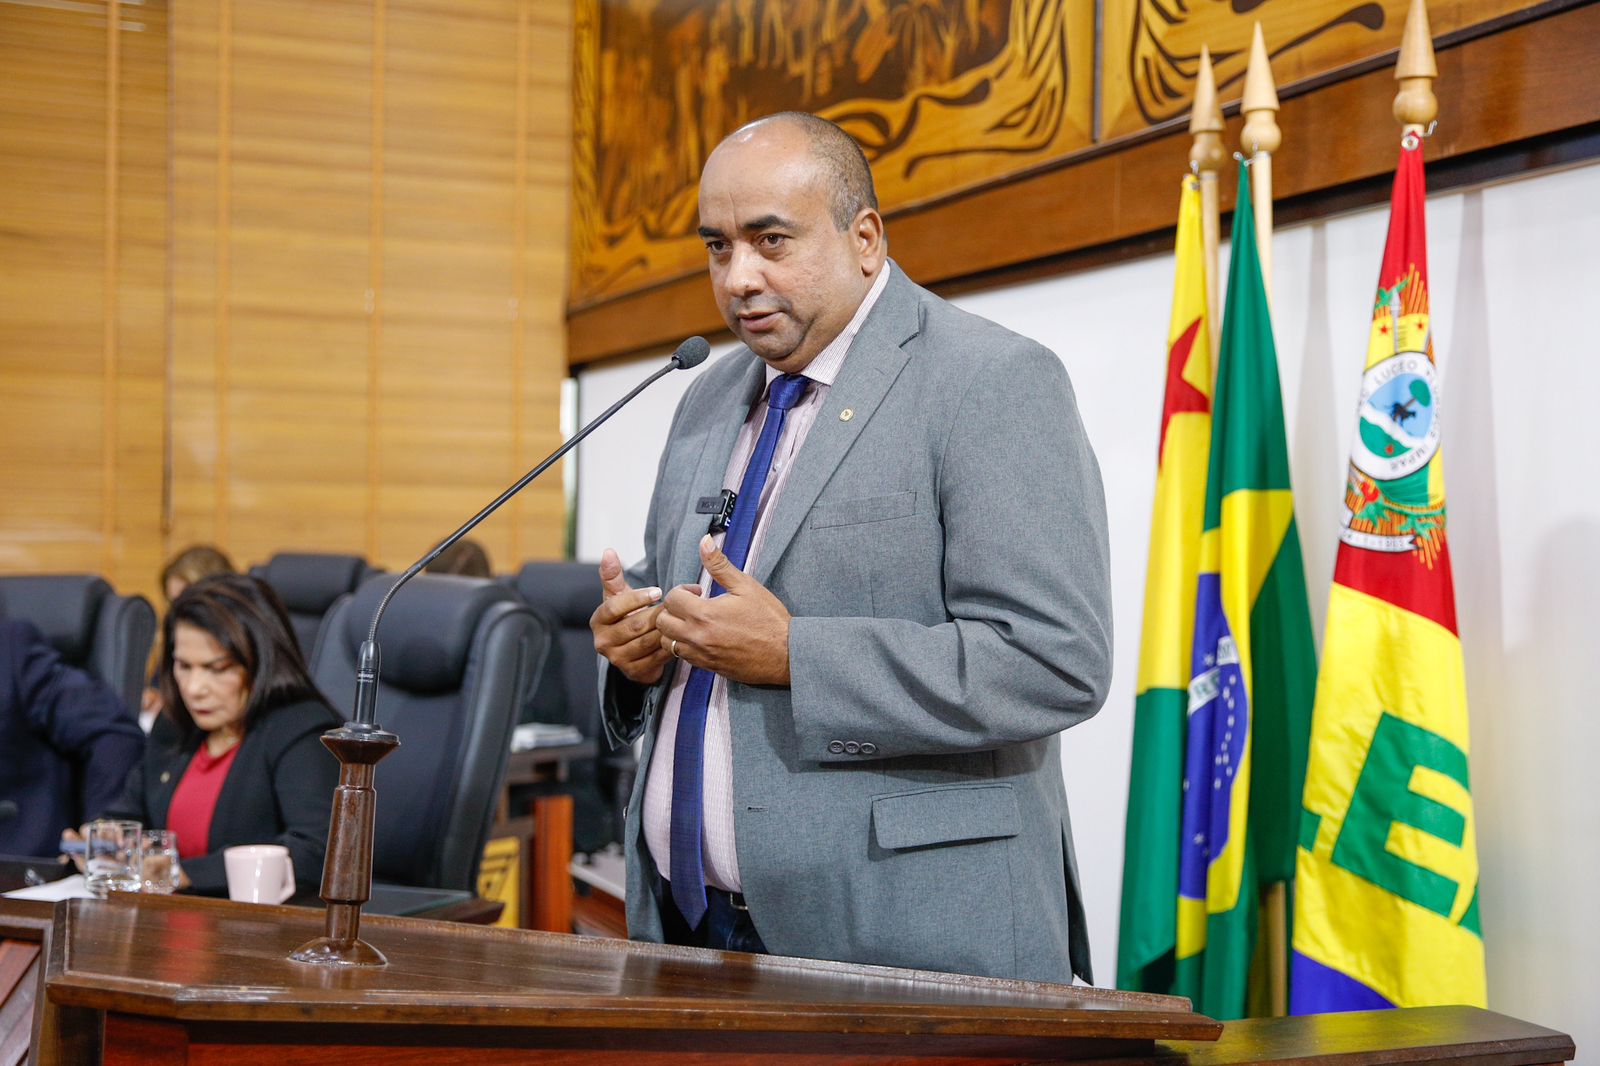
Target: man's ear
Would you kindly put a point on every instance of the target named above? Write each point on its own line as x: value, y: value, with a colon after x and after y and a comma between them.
x: 871, y: 242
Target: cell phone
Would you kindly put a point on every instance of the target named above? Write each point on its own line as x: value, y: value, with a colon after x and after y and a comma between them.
x: 73, y: 847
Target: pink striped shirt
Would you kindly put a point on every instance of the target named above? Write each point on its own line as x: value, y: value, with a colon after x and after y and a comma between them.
x: 720, y: 854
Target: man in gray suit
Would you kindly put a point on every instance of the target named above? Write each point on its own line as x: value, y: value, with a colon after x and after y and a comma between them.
x: 851, y: 699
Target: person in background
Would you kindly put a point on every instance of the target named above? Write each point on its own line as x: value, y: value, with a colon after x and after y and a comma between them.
x: 192, y: 564
x: 464, y: 558
x: 68, y: 742
x: 243, y: 762
x: 182, y: 570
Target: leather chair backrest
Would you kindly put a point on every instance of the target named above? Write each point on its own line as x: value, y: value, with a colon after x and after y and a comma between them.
x: 568, y: 692
x: 567, y: 593
x: 308, y: 583
x: 457, y: 656
x: 92, y: 627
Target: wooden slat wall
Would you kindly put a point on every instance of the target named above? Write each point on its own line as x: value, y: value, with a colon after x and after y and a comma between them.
x: 83, y: 329
x: 360, y: 338
x: 369, y: 254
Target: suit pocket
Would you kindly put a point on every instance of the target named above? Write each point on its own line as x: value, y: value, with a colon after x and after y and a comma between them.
x: 867, y: 509
x: 951, y: 814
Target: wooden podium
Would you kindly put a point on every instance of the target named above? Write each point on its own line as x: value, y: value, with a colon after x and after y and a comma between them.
x: 152, y: 979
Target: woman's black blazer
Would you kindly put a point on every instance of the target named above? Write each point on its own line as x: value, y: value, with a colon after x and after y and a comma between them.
x: 279, y: 790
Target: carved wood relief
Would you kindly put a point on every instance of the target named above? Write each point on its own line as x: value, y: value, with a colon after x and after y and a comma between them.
x: 944, y: 95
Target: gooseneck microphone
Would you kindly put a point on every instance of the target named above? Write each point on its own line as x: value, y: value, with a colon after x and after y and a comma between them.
x: 691, y: 353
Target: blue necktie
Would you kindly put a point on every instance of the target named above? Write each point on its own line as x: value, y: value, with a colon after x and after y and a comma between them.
x: 688, y: 753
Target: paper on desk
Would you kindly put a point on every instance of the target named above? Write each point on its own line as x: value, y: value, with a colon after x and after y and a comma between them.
x: 66, y: 888
x: 543, y: 735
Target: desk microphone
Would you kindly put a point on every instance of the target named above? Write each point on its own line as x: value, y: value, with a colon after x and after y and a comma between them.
x: 691, y: 353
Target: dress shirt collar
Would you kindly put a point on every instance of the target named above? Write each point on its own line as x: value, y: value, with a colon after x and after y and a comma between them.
x: 825, y: 367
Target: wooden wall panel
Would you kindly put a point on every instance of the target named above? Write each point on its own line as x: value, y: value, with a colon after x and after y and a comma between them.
x: 1152, y: 48
x: 942, y: 95
x: 1511, y: 88
x: 82, y: 288
x: 367, y: 327
x: 447, y: 394
x: 269, y: 371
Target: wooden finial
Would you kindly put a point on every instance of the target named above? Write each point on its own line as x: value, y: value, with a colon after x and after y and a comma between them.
x: 1260, y: 103
x: 1415, y: 106
x: 1205, y: 119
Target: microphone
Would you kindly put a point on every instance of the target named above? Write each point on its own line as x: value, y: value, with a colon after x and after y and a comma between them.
x: 691, y: 353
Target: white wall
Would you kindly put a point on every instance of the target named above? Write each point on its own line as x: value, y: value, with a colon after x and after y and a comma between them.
x: 1514, y: 282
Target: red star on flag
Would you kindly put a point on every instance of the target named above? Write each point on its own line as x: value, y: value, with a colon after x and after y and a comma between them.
x: 1181, y: 396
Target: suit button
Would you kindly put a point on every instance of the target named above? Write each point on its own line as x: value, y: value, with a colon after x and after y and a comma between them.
x: 868, y: 748
x: 836, y: 747
x: 852, y: 748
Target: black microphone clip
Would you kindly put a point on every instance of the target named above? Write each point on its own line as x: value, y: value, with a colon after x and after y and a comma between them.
x: 720, y: 508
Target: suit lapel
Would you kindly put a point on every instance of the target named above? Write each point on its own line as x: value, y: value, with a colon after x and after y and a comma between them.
x: 159, y: 792
x: 229, y: 810
x: 717, y: 447
x: 875, y: 360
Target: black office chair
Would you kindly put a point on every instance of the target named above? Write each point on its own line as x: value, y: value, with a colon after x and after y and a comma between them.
x: 568, y: 694
x: 92, y: 627
x: 458, y: 657
x: 308, y: 583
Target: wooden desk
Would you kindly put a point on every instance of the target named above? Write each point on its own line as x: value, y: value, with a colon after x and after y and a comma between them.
x: 537, y: 766
x: 434, y: 904
x: 1460, y: 1036
x: 168, y: 979
x: 163, y: 980
x: 545, y: 833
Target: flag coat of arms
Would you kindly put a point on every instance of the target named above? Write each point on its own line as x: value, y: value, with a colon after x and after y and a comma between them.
x: 1253, y: 666
x: 1148, y: 934
x: 1386, y: 910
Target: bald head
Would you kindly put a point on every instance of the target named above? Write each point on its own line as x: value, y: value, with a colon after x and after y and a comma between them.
x: 841, y: 164
x: 792, y: 237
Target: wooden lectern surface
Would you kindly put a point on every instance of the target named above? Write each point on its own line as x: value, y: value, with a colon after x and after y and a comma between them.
x: 199, y: 960
x: 174, y: 980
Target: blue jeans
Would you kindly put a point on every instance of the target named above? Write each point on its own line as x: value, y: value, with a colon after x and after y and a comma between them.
x: 726, y: 926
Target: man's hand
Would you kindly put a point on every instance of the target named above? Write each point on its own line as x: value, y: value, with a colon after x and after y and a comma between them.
x: 742, y: 635
x: 624, y: 625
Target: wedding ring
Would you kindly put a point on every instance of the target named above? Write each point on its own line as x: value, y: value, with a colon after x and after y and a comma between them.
x: 674, y: 649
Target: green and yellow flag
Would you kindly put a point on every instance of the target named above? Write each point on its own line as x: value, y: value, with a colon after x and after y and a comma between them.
x: 1148, y: 935
x: 1253, y: 670
x: 1386, y: 912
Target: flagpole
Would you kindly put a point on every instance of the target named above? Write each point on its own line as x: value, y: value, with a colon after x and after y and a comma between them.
x: 1206, y: 156
x: 1415, y: 106
x: 1258, y: 140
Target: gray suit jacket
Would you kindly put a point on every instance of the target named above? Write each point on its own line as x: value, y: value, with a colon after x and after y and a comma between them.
x: 944, y: 555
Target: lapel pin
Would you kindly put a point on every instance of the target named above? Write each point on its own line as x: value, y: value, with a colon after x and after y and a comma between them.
x: 846, y: 415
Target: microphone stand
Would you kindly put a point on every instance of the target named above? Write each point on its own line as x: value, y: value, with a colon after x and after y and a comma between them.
x: 360, y: 744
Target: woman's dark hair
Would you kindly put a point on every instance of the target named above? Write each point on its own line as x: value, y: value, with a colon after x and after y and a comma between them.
x: 245, y: 616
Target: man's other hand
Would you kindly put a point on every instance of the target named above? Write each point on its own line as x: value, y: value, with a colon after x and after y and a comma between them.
x: 742, y: 635
x: 624, y: 625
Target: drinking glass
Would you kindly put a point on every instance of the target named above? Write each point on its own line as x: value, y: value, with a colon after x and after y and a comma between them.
x: 111, y: 858
x: 158, y: 861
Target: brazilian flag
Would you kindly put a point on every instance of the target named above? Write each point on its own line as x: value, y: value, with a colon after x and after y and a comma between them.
x: 1253, y: 670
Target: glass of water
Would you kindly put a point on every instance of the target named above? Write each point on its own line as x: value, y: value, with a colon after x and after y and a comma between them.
x: 158, y: 861
x: 111, y: 859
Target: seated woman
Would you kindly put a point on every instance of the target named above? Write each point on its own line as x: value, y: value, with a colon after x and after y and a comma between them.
x: 237, y: 757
